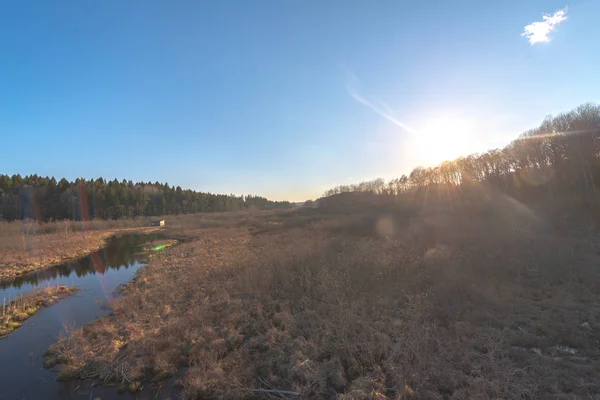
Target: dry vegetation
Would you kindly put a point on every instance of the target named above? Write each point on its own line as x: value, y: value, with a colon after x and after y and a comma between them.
x: 14, y: 312
x: 26, y: 246
x: 395, y: 302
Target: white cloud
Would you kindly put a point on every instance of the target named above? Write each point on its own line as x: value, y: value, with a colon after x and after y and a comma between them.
x: 352, y: 81
x: 379, y: 109
x: 539, y: 32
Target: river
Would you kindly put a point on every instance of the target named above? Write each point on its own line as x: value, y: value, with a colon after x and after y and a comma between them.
x: 22, y: 375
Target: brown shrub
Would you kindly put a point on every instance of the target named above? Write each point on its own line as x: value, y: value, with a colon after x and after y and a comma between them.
x: 441, y: 305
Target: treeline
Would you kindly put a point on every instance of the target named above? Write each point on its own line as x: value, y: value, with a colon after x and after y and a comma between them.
x: 562, y: 155
x: 44, y: 198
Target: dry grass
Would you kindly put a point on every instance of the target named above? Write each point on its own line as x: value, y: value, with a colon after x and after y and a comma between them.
x: 431, y: 303
x: 28, y: 246
x: 14, y: 312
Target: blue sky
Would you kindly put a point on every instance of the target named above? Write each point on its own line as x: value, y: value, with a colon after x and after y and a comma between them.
x: 280, y: 98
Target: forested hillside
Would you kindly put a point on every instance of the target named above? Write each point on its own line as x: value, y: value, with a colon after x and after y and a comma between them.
x: 560, y: 156
x: 44, y: 198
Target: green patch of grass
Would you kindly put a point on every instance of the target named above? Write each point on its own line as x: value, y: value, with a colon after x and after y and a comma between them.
x: 135, y: 386
x: 31, y: 310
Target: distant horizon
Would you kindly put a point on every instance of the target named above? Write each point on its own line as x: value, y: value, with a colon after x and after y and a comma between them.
x: 282, y: 99
x: 385, y: 176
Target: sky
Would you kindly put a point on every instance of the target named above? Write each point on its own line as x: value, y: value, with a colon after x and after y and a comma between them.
x: 281, y: 98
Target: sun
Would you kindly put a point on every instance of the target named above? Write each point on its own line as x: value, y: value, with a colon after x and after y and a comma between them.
x: 442, y: 138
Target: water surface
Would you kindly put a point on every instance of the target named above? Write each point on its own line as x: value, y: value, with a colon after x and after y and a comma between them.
x: 22, y: 375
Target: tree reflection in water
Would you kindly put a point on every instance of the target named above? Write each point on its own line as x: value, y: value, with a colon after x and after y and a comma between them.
x: 120, y: 251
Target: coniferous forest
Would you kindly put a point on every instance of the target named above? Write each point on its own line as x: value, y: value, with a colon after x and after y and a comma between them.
x: 45, y: 198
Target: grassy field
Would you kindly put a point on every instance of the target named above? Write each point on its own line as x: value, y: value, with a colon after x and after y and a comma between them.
x: 14, y: 312
x: 28, y: 246
x: 398, y: 301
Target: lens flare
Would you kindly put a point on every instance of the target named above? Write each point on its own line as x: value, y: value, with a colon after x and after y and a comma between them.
x: 537, y: 176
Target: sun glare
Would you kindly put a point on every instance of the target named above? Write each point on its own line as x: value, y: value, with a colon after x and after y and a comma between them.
x: 444, y: 138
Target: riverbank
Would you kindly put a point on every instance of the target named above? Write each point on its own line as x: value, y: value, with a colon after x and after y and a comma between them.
x: 374, y: 303
x: 14, y: 312
x: 21, y: 253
